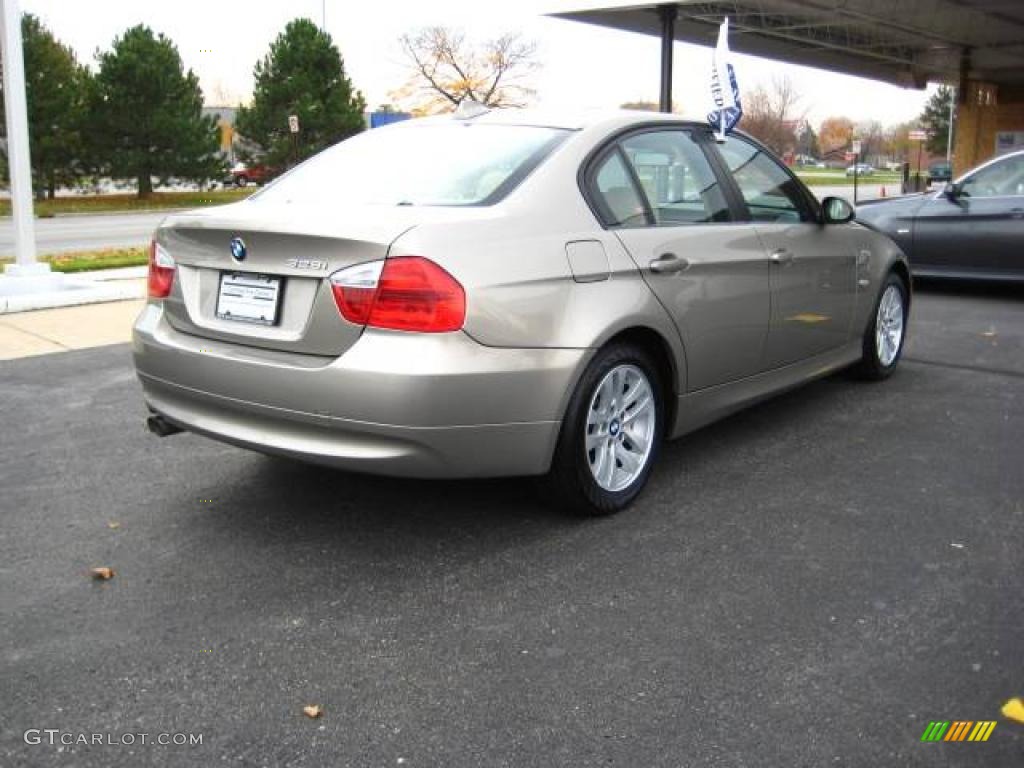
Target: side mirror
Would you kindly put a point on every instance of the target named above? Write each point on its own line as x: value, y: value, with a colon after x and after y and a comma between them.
x: 951, y: 190
x: 835, y: 210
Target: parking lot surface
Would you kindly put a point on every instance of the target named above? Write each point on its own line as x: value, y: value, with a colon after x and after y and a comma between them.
x: 809, y: 582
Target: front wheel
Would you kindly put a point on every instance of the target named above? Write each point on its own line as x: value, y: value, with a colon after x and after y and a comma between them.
x: 611, y: 433
x: 885, y: 334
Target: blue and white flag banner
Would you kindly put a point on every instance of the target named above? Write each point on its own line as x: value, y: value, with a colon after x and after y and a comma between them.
x: 728, y: 110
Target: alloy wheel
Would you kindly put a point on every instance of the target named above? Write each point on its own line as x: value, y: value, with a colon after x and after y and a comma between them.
x: 620, y: 430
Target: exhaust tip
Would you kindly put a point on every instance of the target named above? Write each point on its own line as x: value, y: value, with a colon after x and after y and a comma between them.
x: 160, y: 427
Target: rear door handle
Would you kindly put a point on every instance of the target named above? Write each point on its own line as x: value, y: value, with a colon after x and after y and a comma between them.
x: 668, y: 262
x: 781, y: 256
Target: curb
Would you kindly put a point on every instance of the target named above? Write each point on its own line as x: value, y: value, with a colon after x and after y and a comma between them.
x: 72, y: 291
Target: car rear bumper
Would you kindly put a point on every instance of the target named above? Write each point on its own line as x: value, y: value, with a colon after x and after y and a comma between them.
x: 416, y: 405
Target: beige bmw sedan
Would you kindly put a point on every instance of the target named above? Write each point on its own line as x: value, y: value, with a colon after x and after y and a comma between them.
x: 511, y: 294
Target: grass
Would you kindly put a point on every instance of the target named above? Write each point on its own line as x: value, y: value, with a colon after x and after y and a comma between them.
x: 83, y: 261
x: 130, y: 202
x: 841, y: 179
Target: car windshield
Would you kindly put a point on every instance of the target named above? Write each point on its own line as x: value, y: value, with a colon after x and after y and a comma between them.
x: 429, y: 163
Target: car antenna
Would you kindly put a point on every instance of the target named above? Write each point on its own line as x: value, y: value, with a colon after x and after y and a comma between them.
x: 469, y: 108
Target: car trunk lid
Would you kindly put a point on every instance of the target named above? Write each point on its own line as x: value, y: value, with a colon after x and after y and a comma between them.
x: 288, y: 251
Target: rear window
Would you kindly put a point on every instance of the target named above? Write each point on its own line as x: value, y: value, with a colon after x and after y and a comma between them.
x: 456, y: 163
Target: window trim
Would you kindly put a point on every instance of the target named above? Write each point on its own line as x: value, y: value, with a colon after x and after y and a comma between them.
x: 698, y: 133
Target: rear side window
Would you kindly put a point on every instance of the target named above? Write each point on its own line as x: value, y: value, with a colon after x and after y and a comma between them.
x: 770, y: 192
x: 419, y: 163
x: 616, y: 194
x: 676, y: 178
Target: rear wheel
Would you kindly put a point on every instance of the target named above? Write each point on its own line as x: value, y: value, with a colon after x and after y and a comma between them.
x: 885, y: 334
x: 611, y: 433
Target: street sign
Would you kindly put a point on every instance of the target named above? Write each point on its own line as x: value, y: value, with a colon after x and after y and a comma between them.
x: 856, y: 146
x: 917, y: 135
x: 293, y: 123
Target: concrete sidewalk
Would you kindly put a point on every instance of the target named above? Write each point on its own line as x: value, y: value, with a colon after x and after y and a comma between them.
x: 41, y: 332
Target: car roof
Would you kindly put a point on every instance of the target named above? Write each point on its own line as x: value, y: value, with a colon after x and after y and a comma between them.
x: 573, y: 120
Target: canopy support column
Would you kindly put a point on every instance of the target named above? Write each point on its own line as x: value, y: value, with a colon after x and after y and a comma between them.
x: 668, y: 15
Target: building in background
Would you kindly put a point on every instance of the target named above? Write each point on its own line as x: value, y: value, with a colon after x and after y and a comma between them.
x: 226, y: 122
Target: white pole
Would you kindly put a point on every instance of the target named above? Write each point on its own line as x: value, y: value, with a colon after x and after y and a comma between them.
x: 949, y: 129
x: 17, y: 142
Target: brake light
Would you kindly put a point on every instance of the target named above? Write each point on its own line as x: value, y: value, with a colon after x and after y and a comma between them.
x: 161, y: 271
x: 407, y: 293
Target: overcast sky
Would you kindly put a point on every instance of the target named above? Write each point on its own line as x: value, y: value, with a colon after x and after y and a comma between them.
x: 582, y: 65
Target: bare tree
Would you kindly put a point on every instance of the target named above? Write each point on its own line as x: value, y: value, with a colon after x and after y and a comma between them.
x: 872, y: 139
x: 771, y: 114
x: 446, y: 68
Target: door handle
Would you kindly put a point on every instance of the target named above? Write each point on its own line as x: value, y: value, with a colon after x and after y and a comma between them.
x: 668, y: 262
x: 781, y: 256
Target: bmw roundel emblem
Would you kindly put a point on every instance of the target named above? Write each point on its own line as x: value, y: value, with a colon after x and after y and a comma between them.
x: 238, y: 250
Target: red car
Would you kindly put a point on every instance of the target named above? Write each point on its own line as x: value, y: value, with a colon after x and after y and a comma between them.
x: 243, y: 175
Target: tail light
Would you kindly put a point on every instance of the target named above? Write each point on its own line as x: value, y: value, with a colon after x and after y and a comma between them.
x: 408, y: 293
x: 161, y: 271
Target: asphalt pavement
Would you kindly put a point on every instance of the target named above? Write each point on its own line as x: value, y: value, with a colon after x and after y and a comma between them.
x: 82, y: 232
x: 807, y: 583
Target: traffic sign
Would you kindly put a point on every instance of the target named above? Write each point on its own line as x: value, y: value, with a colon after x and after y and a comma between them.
x: 293, y: 123
x: 856, y: 146
x: 917, y: 135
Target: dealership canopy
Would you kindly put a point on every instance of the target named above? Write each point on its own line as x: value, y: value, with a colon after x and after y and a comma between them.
x: 908, y: 43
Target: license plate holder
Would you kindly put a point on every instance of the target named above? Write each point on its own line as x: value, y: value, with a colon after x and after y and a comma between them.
x: 248, y: 298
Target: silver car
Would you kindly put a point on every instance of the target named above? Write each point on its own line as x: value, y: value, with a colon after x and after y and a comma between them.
x: 511, y: 294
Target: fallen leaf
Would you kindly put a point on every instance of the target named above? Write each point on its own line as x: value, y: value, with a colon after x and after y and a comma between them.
x: 103, y: 573
x: 313, y: 711
x: 113, y: 526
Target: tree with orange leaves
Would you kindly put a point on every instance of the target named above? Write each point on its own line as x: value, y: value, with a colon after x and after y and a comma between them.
x: 835, y: 134
x: 445, y: 69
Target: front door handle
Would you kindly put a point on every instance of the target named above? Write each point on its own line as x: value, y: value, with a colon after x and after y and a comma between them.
x: 668, y: 262
x: 781, y: 256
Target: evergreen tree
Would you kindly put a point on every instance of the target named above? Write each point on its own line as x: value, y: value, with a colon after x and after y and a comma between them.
x: 302, y: 75
x: 146, y: 114
x: 935, y: 120
x: 55, y: 88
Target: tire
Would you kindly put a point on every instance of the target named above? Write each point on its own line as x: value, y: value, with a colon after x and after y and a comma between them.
x: 881, y: 352
x: 241, y: 181
x: 594, y: 443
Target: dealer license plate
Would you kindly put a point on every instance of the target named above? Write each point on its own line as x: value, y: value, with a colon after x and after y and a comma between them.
x: 248, y: 298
